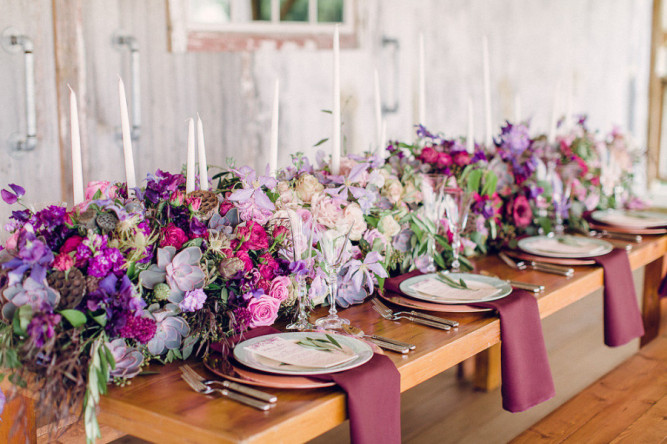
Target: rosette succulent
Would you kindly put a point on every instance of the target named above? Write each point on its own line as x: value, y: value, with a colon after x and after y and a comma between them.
x: 181, y: 271
x: 38, y: 295
x: 128, y: 359
x: 171, y: 329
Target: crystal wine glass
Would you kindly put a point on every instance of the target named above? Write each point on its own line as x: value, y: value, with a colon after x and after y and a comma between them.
x: 334, y: 246
x: 302, y: 250
x: 560, y: 195
x: 457, y: 204
x: 433, y: 210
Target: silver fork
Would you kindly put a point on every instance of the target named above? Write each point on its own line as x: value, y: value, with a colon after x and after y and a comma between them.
x: 388, y: 314
x: 414, y: 313
x: 199, y: 387
x: 539, y: 266
x: 266, y: 397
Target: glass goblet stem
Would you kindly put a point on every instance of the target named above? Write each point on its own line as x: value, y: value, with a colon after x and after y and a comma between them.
x: 456, y: 247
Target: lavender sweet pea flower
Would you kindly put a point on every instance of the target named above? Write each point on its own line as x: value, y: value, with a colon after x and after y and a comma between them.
x: 33, y: 255
x: 11, y: 197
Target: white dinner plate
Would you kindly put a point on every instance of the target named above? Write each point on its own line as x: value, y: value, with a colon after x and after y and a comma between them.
x: 630, y: 219
x: 361, y: 349
x: 566, y: 246
x: 493, y: 289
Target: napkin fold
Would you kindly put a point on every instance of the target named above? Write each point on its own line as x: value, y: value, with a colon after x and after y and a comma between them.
x: 373, y: 393
x: 526, y: 375
x: 373, y: 400
x: 622, y: 318
x: 662, y: 290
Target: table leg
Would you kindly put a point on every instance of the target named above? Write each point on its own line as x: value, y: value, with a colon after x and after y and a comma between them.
x: 487, y: 369
x: 653, y: 274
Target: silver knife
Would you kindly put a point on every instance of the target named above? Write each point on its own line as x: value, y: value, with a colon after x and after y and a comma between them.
x: 526, y: 286
x: 240, y: 388
x: 550, y: 268
x: 390, y: 346
x: 394, y: 342
x: 434, y: 318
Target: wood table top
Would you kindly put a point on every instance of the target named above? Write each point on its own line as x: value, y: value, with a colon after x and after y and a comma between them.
x: 162, y: 408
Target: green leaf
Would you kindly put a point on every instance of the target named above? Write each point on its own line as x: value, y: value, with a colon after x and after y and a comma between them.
x: 490, y: 182
x: 101, y: 318
x: 22, y: 318
x: 196, y: 242
x: 75, y: 317
x: 320, y: 142
x: 110, y: 359
x: 474, y: 180
x: 440, y: 261
x: 333, y: 341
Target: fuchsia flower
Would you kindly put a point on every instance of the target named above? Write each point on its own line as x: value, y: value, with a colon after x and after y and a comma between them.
x: 173, y: 236
x: 444, y: 160
x: 462, y: 158
x: 252, y: 236
x: 521, y: 212
x: 63, y: 262
x: 429, y: 155
x: 71, y: 244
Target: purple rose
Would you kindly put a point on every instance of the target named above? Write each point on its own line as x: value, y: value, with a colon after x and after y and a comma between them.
x: 263, y: 311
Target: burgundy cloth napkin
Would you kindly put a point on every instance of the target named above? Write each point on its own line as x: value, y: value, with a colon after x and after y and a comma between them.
x: 373, y: 394
x: 622, y: 319
x: 526, y: 375
x: 525, y: 370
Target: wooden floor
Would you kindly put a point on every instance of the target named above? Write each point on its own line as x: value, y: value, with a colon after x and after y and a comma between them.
x: 447, y: 410
x: 627, y: 405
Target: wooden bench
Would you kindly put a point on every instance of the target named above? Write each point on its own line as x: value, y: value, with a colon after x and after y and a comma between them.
x: 627, y: 405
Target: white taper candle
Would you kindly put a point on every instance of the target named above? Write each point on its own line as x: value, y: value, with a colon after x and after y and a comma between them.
x: 470, y: 139
x: 77, y: 175
x: 273, y: 151
x: 422, y: 81
x: 335, y: 156
x: 190, y: 163
x: 487, y: 92
x: 378, y: 110
x: 554, y: 115
x: 130, y: 177
x: 201, y: 149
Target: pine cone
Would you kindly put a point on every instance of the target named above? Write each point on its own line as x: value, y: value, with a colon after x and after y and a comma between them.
x: 107, y: 221
x: 209, y: 203
x: 71, y: 285
x: 92, y: 284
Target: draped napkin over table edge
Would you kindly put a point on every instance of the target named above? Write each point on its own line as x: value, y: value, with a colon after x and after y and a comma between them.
x: 373, y: 393
x: 622, y: 318
x: 525, y: 370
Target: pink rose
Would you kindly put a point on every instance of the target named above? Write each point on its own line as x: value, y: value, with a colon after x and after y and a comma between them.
x: 108, y: 191
x: 328, y: 211
x: 173, y: 236
x: 71, y: 244
x: 280, y: 288
x: 268, y: 267
x: 264, y: 284
x: 429, y: 155
x: 461, y: 158
x: 307, y: 186
x: 280, y: 232
x: 194, y: 202
x: 225, y: 206
x: 444, y: 160
x: 263, y: 311
x: 243, y: 255
x: 252, y: 236
x: 63, y: 262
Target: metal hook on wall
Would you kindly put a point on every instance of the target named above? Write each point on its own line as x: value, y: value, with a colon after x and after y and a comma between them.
x: 120, y: 41
x: 12, y: 41
x: 395, y: 44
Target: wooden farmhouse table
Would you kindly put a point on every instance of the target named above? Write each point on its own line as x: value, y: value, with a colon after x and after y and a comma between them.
x: 162, y: 408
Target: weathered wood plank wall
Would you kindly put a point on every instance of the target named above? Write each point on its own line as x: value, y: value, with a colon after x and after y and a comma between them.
x: 534, y: 44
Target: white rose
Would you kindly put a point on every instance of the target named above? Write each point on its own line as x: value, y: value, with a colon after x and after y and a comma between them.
x: 393, y: 190
x: 353, y: 216
x: 306, y: 186
x: 388, y: 226
x: 328, y: 212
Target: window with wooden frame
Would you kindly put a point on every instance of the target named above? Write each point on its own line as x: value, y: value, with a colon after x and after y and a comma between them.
x: 242, y: 25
